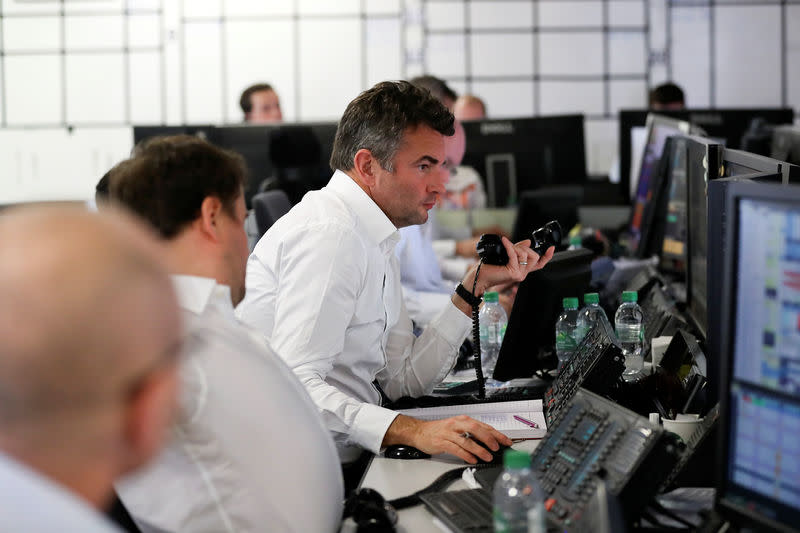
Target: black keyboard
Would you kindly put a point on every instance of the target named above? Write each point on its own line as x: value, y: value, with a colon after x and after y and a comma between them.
x: 468, y: 511
x: 506, y: 394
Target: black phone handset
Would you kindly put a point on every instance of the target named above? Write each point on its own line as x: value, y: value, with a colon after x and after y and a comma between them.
x: 492, y: 252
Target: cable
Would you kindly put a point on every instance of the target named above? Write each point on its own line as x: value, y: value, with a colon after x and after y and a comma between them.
x: 476, y: 340
x: 438, y: 485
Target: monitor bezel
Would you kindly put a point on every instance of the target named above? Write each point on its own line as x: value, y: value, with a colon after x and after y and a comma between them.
x: 736, y: 192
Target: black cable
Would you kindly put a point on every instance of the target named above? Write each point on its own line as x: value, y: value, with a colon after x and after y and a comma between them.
x: 438, y: 485
x: 476, y: 340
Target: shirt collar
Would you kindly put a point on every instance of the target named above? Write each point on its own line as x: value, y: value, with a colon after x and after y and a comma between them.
x: 376, y: 223
x: 195, y: 294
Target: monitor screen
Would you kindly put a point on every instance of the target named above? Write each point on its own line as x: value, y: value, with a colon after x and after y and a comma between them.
x: 673, y: 245
x: 760, y: 472
x: 521, y: 154
x: 529, y: 340
x: 703, y: 163
x: 727, y: 124
x: 658, y: 130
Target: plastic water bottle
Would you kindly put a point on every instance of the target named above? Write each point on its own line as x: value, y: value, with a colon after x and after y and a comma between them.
x: 589, y: 316
x: 493, y: 322
x: 565, y: 331
x: 630, y: 332
x: 575, y: 243
x: 518, y: 498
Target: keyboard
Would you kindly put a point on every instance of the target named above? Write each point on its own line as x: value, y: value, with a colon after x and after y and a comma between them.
x: 467, y: 511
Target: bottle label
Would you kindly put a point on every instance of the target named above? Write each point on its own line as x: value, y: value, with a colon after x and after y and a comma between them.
x: 630, y: 332
x: 565, y: 342
x: 536, y: 519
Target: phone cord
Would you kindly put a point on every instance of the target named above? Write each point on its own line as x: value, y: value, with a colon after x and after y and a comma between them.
x: 476, y: 340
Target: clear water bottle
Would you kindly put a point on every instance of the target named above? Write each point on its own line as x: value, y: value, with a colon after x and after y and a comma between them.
x: 589, y: 315
x: 565, y: 331
x: 493, y: 321
x: 575, y: 243
x: 518, y: 498
x: 630, y: 332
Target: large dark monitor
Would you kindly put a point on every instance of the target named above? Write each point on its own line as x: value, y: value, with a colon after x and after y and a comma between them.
x: 758, y: 482
x: 204, y: 131
x: 295, y: 157
x: 703, y: 164
x: 727, y: 124
x: 674, y: 235
x: 530, y: 335
x: 537, y: 208
x: 522, y: 154
x: 659, y: 128
x: 786, y: 144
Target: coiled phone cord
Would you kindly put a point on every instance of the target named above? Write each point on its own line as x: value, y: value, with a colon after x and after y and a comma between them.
x: 476, y: 340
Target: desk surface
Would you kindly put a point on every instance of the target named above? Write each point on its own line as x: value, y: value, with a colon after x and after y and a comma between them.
x: 395, y: 478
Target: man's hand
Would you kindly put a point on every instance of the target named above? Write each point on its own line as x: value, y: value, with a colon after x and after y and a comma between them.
x: 456, y: 436
x: 522, y: 260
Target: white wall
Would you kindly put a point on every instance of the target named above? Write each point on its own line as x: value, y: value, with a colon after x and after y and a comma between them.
x: 100, y: 64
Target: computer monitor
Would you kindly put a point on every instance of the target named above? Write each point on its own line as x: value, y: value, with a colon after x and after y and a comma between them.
x: 786, y: 144
x: 204, y: 131
x: 703, y: 164
x: 537, y: 208
x: 659, y: 128
x: 727, y: 124
x: 673, y: 241
x: 296, y: 156
x: 530, y: 335
x: 522, y: 154
x: 758, y: 474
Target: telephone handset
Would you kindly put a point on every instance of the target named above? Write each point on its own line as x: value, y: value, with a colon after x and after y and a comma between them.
x: 491, y: 251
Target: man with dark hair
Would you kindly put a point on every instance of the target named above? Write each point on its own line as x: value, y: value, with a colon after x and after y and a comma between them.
x: 438, y: 88
x: 90, y: 338
x: 260, y: 104
x: 667, y: 96
x: 234, y: 463
x: 324, y: 284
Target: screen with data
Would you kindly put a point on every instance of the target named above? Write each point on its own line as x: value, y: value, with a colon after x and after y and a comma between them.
x: 764, y: 448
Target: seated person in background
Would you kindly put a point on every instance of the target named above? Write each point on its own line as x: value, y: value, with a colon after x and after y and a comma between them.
x: 249, y: 450
x: 666, y: 96
x: 323, y: 283
x: 469, y: 107
x: 260, y: 104
x: 90, y: 337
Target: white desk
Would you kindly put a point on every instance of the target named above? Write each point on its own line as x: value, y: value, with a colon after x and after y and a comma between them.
x: 395, y: 478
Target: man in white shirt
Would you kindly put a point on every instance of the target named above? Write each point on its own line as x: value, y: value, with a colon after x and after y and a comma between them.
x: 249, y: 452
x: 324, y: 287
x: 90, y: 335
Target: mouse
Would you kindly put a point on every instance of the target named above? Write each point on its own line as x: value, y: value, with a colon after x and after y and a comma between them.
x: 404, y: 451
x: 497, y: 457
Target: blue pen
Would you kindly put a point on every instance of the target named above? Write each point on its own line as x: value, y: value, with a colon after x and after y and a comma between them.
x: 526, y: 422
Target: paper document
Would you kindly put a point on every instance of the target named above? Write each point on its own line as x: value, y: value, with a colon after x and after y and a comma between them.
x: 514, y: 419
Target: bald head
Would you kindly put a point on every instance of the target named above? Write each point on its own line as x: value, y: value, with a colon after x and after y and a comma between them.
x: 86, y: 310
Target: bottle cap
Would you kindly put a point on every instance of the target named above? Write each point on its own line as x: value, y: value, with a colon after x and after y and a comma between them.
x: 630, y: 296
x: 575, y: 241
x: 490, y: 296
x: 591, y: 298
x: 570, y: 303
x: 516, y: 459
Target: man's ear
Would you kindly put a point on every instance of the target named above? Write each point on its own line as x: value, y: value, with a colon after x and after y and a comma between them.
x: 365, y: 166
x: 210, y: 213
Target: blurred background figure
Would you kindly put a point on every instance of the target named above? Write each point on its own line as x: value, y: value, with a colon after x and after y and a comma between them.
x: 469, y: 107
x: 667, y: 96
x: 438, y: 88
x: 260, y: 104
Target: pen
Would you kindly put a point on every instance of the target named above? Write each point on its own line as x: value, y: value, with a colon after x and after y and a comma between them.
x: 526, y: 422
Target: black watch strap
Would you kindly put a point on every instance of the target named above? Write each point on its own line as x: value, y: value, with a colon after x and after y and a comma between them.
x: 467, y: 296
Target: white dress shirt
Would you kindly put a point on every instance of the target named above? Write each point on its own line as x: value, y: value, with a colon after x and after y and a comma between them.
x: 323, y: 286
x: 249, y: 452
x: 32, y: 503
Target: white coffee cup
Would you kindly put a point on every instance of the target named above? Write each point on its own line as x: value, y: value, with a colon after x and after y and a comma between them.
x: 684, y: 428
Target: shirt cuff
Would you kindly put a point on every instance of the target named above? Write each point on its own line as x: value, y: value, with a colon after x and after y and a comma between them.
x: 370, y: 426
x: 452, y: 324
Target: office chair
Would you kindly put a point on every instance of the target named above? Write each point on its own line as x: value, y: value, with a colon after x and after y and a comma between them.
x: 268, y: 207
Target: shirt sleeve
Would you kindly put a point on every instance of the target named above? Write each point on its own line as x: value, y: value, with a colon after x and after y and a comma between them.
x: 314, y: 304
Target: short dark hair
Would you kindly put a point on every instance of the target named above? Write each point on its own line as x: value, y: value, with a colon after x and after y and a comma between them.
x: 379, y: 117
x: 438, y: 88
x: 666, y: 93
x: 244, y: 101
x: 167, y: 179
x: 101, y: 189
